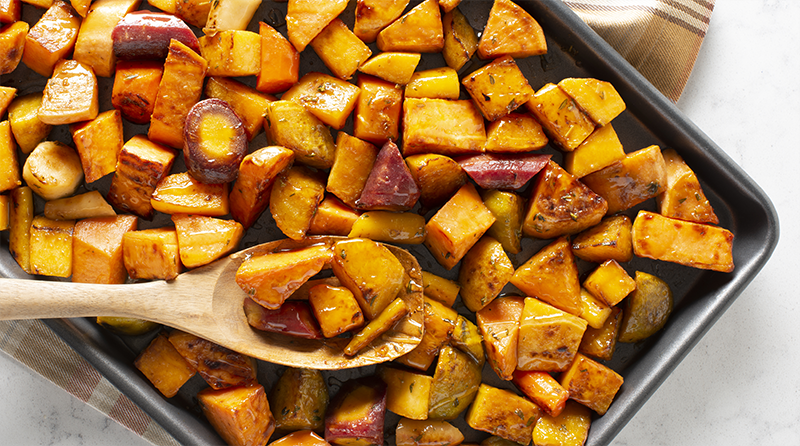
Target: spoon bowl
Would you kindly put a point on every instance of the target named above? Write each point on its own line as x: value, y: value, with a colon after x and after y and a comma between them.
x: 207, y: 302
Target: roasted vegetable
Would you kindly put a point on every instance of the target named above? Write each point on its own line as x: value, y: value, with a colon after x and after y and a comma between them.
x: 299, y: 400
x: 647, y: 309
x: 357, y: 412
x: 53, y: 170
x: 240, y: 415
x: 214, y: 142
x: 389, y: 186
x: 146, y: 35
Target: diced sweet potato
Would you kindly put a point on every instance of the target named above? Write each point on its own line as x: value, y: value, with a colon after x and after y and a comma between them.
x: 294, y: 199
x: 232, y: 52
x: 136, y: 88
x: 161, y: 363
x: 440, y: 289
x: 435, y: 83
x: 601, y: 149
x: 601, y: 342
x: 290, y: 125
x: 97, y: 249
x: 151, y: 253
x: 9, y: 11
x: 683, y: 198
x: 552, y: 276
x: 51, y: 38
x: 389, y: 186
x: 299, y: 400
x: 12, y: 45
x: 201, y: 240
x: 591, y: 383
x: 9, y: 164
x: 437, y: 176
x: 484, y: 271
x: 392, y: 227
x: 442, y: 126
x: 53, y: 170
x: 594, y: 310
x: 543, y: 390
x: 460, y: 40
x: 407, y: 392
x: 7, y: 94
x: 351, y: 167
x: 336, y: 309
x: 23, y: 116
x: 507, y: 208
x: 240, y: 415
x: 598, y: 99
x: 498, y: 88
x: 455, y: 383
x: 95, y: 45
x: 340, y: 49
x: 333, y: 218
x: 377, y: 326
x: 511, y: 31
x: 51, y: 246
x: 416, y: 432
x: 194, y: 12
x: 180, y: 193
x: 439, y: 326
x: 143, y: 35
x: 498, y: 322
x: 560, y: 117
x: 374, y: 15
x: 70, y: 94
x: 610, y: 283
x: 20, y: 217
x: 548, y: 338
x: 98, y: 143
x: 378, y: 109
x: 328, y: 98
x: 503, y: 413
x: 357, y: 412
x: 248, y: 103
x: 293, y: 318
x: 250, y: 194
x: 418, y: 31
x: 397, y: 67
x: 300, y: 438
x: 514, y: 132
x: 610, y: 239
x: 280, y: 61
x: 220, y: 367
x: 569, y: 428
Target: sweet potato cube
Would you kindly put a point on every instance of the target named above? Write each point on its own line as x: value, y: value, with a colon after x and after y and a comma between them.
x: 513, y: 133
x: 352, y: 165
x: 683, y: 198
x: 291, y: 125
x: 294, y: 199
x: 609, y: 239
x: 201, y: 239
x: 141, y: 165
x: 240, y: 415
x: 498, y: 88
x: 232, y: 52
x: 340, y: 49
x: 194, y: 12
x: 389, y: 186
x: 9, y: 164
x: 637, y: 177
x: 598, y: 99
x: 542, y: 389
x: 601, y: 149
x: 294, y: 318
x: 180, y: 88
x: 82, y: 6
x: 439, y: 326
x: 460, y: 40
x: 440, y: 289
x: 484, y: 271
x: 51, y: 246
x: 300, y: 438
x: 23, y: 116
x: 370, y: 271
x: 7, y: 94
x: 374, y: 15
x: 357, y: 412
x: 328, y: 98
x: 457, y: 226
x: 70, y: 94
x: 20, y: 218
x: 416, y: 432
x: 498, y: 323
x: 336, y: 309
x: 507, y: 208
x: 601, y: 342
x: 280, y: 61
x: 561, y: 118
x: 417, y: 31
x: 161, y: 363
x: 407, y: 392
x: 591, y: 383
x: 9, y: 11
x: 686, y: 243
x: 552, y: 276
x: 511, y: 31
x: 299, y: 400
x: 569, y: 428
x: 151, y: 253
x: 397, y: 67
x: 180, y: 193
x: 12, y: 46
x: 97, y: 249
x: 455, y: 383
x: 503, y: 413
x: 436, y: 83
x: 98, y: 143
x: 594, y: 310
x: 438, y: 177
x: 5, y: 204
x: 377, y: 113
x: 610, y: 283
x: 248, y: 103
x: 51, y: 38
x: 376, y: 327
x: 305, y: 19
x: 548, y: 337
x: 220, y: 367
x: 393, y: 227
x: 333, y: 218
x: 94, y: 46
x: 250, y: 194
x: 442, y: 126
x: 136, y: 88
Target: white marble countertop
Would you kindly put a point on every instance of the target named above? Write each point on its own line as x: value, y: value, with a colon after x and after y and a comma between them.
x: 740, y: 385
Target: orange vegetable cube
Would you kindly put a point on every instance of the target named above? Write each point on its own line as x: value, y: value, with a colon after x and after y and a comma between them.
x: 51, y: 246
x: 9, y: 11
x: 591, y: 383
x: 97, y: 249
x: 598, y: 99
x: 141, y: 165
x: 498, y: 323
x: 548, y: 338
x: 377, y: 113
x: 151, y: 254
x: 561, y: 118
x: 201, y: 239
x: 280, y: 61
x: 250, y: 194
x: 51, y: 38
x: 593, y: 310
x: 407, y: 392
x: 161, y: 363
x: 336, y: 309
x: 609, y: 239
x: 514, y: 132
x: 98, y: 143
x: 503, y: 413
x: 136, y: 88
x: 683, y: 198
x: 12, y: 45
x: 543, y: 390
x: 440, y: 289
x: 333, y: 218
x: 511, y: 31
x: 498, y: 88
x: 20, y: 217
x: 610, y: 283
x: 232, y: 52
x: 330, y: 99
x: 9, y: 164
x: 485, y: 270
x: 180, y: 193
x: 569, y: 428
x: 442, y: 126
x: 601, y: 149
x: 601, y: 342
x: 240, y: 415
x: 351, y: 168
x: 417, y: 31
x: 294, y: 199
x: 248, y: 103
x: 305, y: 19
x: 552, y: 276
x: 340, y: 49
x: 374, y: 15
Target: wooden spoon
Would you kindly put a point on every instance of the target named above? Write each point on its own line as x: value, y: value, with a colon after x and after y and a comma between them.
x: 207, y: 302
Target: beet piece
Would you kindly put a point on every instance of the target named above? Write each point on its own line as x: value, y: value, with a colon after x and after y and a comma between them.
x: 390, y: 186
x: 496, y: 171
x: 293, y: 318
x: 146, y: 35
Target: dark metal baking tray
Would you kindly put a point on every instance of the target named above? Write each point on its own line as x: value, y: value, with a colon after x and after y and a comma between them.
x: 574, y: 51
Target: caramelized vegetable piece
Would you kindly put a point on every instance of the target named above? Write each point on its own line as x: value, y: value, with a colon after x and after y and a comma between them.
x: 214, y: 142
x: 181, y: 193
x: 495, y: 171
x: 418, y: 31
x: 378, y: 109
x: 356, y: 413
x: 127, y: 326
x: 333, y: 218
x: 336, y: 309
x: 293, y: 318
x: 610, y: 239
x: 306, y: 18
x: 503, y: 413
x: 610, y: 283
x: 97, y: 249
x: 136, y: 88
x: 560, y: 117
x: 437, y: 176
x: 511, y: 31
x: 499, y: 325
x: 95, y: 44
x: 374, y: 15
x: 51, y: 246
x: 377, y: 326
x: 161, y: 363
x: 240, y: 415
x: 299, y: 400
x: 397, y: 67
x: 548, y: 337
x: 594, y: 310
x: 201, y: 240
x: 436, y: 83
x: 442, y: 126
x: 9, y: 11
x: 98, y: 143
x: 141, y: 165
x: 601, y: 149
x: 151, y: 254
x: 50, y: 39
x: 507, y: 208
x: 232, y: 52
x: 340, y: 49
x: 392, y: 227
x: 543, y: 390
x: 686, y: 243
x: 601, y: 342
x: 53, y: 170
x: 330, y: 99
x: 294, y: 199
x: 569, y: 428
x: 9, y: 164
x: 683, y: 198
x: 230, y: 14
x: 598, y: 99
x: 390, y: 185
x: 498, y: 88
x: 300, y: 438
x: 270, y: 279
x: 460, y: 40
x: 280, y: 61
x: 290, y: 125
x: 351, y: 167
x: 467, y: 338
x: 647, y: 309
x: 23, y: 117
x: 195, y: 12
x: 220, y: 367
x: 439, y: 326
x: 407, y: 392
x: 552, y: 276
x: 142, y: 35
x: 484, y: 271
x: 591, y: 383
x: 248, y: 103
x: 7, y: 94
x: 70, y: 94
x: 416, y: 432
x: 12, y: 45
x: 20, y: 217
x: 455, y: 383
x: 250, y: 194
x: 513, y: 133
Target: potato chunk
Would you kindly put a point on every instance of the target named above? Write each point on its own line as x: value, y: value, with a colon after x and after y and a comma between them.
x: 548, y: 337
x: 438, y: 177
x: 291, y: 125
x: 498, y: 88
x: 569, y: 428
x: 511, y: 31
x: 507, y: 208
x: 397, y: 67
x: 248, y: 103
x: 439, y: 326
x: 340, y: 49
x: 333, y: 218
x: 552, y: 276
x: 417, y: 432
x: 417, y: 31
x: 392, y: 227
x: 232, y: 52
x: 543, y: 390
x: 647, y: 309
x: 70, y: 94
x: 601, y: 149
x: 20, y: 217
x: 240, y: 415
x: 513, y: 133
x: 610, y: 283
x: 436, y: 83
x: 377, y: 116
x: 352, y: 165
x: 455, y: 383
x: 407, y: 392
x: 503, y: 413
x: 601, y: 342
x: 683, y: 198
x: 442, y: 126
x: 136, y: 88
x: 591, y: 383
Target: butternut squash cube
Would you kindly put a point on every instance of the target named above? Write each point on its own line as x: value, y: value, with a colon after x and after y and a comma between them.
x: 70, y: 94
x: 598, y: 99
x: 561, y: 118
x: 543, y: 390
x: 393, y: 312
x: 250, y: 194
x: 439, y: 326
x: 294, y: 199
x: 407, y: 392
x: 232, y: 53
x: 340, y: 49
x: 98, y: 143
x: 392, y: 227
x: 97, y: 249
x: 513, y: 133
x: 333, y: 218
x: 484, y: 271
x: 305, y: 19
x: 136, y: 88
x: 352, y: 165
x: 511, y: 31
x: 436, y: 83
x: 503, y: 413
x: 161, y: 363
x: 683, y: 198
x: 442, y: 126
x: 601, y: 149
x: 299, y: 400
x: 378, y: 109
x: 548, y: 338
x: 7, y: 94
x: 330, y: 99
x: 569, y: 428
x: 609, y: 239
x: 9, y: 11
x: 417, y: 31
x: 94, y: 46
x: 440, y: 289
x: 498, y: 323
x: 201, y: 239
x: 594, y: 310
x: 609, y: 283
x: 291, y: 125
x: 374, y: 15
x: 686, y: 243
x: 438, y: 177
x: 5, y: 204
x: 414, y: 432
x: 507, y: 208
x: 240, y: 415
x: 637, y: 177
x: 20, y: 218
x: 220, y: 367
x: 23, y: 116
x: 180, y: 193
x: 460, y: 40
x: 248, y: 103
x: 280, y: 61
x: 591, y: 383
x: 194, y: 12
x: 9, y: 164
x: 397, y: 67
x: 180, y: 88
x: 141, y: 165
x: 51, y: 246
x: 12, y: 45
x: 336, y: 309
x: 51, y: 38
x: 151, y: 254
x: 601, y: 342
x: 498, y: 88
x: 552, y: 276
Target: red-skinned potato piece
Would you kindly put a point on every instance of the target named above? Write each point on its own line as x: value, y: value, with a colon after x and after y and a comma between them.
x: 356, y: 414
x: 496, y: 171
x: 293, y: 318
x: 214, y: 142
x: 390, y: 186
x: 143, y: 35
